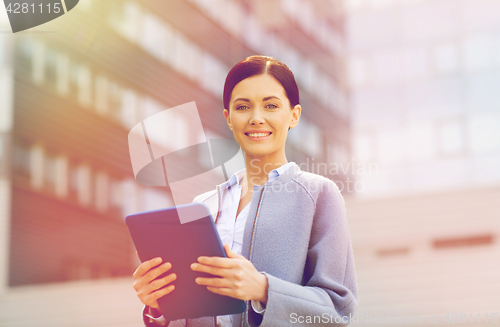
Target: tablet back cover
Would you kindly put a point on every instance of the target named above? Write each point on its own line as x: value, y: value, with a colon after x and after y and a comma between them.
x: 160, y: 234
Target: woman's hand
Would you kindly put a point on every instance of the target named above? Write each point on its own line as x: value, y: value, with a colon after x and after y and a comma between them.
x: 148, y: 289
x: 239, y: 280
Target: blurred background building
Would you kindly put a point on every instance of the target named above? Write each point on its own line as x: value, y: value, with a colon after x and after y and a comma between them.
x: 400, y: 101
x: 71, y: 89
x: 423, y: 81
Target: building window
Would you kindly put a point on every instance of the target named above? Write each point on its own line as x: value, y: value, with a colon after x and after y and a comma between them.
x: 130, y: 197
x: 253, y: 33
x: 415, y: 63
x: 37, y: 169
x: 101, y: 191
x: 186, y: 56
x: 61, y: 176
x: 81, y: 183
x: 293, y: 60
x: 234, y: 18
x: 290, y: 7
x: 421, y: 141
x: 451, y: 138
x: 357, y: 72
x: 115, y: 195
x: 149, y: 107
x: 390, y: 146
x: 21, y: 160
x: 173, y: 136
x: 337, y: 153
x: 325, y: 91
x: 482, y: 92
x: 73, y: 79
x: 446, y: 58
x: 80, y: 83
x: 101, y: 95
x: 212, y: 73
x: 129, y: 110
x: 126, y: 20
x: 152, y: 35
x: 310, y: 75
x: 51, y: 67
x: 194, y: 62
x: 84, y: 86
x: 307, y: 16
x: 62, y: 79
x: 26, y: 54
x: 167, y: 43
x: 38, y: 62
x: 153, y: 199
x: 484, y: 130
x: 49, y: 165
x: 364, y: 148
x: 115, y: 100
x: 478, y: 52
x: 181, y: 50
x: 387, y: 66
x: 307, y: 137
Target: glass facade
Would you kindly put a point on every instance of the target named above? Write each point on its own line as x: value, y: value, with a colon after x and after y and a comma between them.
x: 422, y: 78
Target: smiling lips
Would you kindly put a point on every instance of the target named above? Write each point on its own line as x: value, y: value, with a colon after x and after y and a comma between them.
x: 258, y: 135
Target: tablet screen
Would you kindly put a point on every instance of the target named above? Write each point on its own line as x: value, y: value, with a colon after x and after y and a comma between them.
x: 160, y: 234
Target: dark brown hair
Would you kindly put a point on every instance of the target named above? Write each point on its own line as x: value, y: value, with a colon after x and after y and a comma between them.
x: 257, y: 65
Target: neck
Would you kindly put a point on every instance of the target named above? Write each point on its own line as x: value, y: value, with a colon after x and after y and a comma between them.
x: 258, y: 168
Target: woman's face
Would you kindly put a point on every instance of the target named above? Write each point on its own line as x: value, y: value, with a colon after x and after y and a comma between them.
x: 259, y: 115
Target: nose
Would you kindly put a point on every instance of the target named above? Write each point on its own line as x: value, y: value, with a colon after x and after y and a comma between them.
x: 257, y: 117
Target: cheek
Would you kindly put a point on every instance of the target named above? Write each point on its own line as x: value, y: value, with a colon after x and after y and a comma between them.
x: 238, y: 124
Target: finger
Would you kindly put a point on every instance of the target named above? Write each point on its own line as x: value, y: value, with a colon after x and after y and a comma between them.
x: 216, y: 262
x: 155, y: 272
x: 143, y: 284
x: 215, y: 282
x: 162, y: 282
x: 216, y: 271
x: 145, y: 267
x: 153, y: 297
x: 230, y: 253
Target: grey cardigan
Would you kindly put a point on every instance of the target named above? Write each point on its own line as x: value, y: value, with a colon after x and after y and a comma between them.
x: 296, y: 234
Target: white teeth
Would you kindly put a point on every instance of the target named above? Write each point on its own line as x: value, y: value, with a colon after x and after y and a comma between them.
x: 258, y: 134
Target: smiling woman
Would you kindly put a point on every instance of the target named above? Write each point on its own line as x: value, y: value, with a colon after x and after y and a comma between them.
x: 259, y: 115
x: 285, y: 231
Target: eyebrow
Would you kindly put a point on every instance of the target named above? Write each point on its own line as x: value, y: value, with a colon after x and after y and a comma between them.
x: 264, y: 99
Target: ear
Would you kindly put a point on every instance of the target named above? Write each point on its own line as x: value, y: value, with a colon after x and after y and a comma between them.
x: 228, y: 119
x: 296, y: 111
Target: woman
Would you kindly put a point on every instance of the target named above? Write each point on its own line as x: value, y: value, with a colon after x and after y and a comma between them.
x: 285, y: 230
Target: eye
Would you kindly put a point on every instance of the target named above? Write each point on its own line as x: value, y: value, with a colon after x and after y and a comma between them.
x: 271, y: 106
x: 241, y: 107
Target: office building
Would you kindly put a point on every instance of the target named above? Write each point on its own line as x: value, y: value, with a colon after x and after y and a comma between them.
x: 423, y: 79
x: 73, y: 88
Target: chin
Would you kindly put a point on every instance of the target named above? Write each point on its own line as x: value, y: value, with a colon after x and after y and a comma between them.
x: 258, y: 152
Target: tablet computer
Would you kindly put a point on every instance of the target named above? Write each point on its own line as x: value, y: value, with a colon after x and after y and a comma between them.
x: 160, y: 233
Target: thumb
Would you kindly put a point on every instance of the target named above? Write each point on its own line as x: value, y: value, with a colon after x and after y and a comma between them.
x: 230, y: 253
